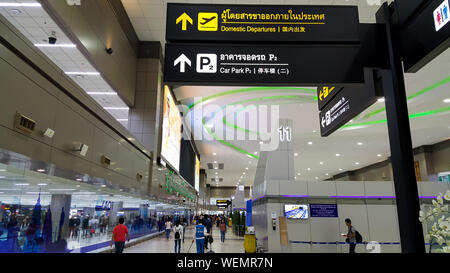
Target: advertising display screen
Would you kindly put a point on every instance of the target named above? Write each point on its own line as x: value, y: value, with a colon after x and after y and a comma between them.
x: 197, y: 174
x: 296, y: 211
x: 171, y: 131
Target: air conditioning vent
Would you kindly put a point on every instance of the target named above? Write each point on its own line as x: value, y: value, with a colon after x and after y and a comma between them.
x: 24, y: 123
x: 106, y: 161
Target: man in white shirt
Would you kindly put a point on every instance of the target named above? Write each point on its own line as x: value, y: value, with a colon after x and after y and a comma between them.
x: 168, y: 228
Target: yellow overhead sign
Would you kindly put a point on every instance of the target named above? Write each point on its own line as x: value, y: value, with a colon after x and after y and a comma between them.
x: 326, y: 90
x: 184, y: 19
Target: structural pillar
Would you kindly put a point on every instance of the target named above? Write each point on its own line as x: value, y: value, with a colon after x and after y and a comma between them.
x: 113, y: 220
x: 60, y: 206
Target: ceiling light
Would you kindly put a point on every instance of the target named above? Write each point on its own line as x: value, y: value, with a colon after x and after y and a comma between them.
x: 360, y: 143
x: 217, y: 173
x: 246, y: 168
x: 215, y: 162
x: 357, y: 163
x: 215, y: 168
x: 2, y: 170
x: 122, y: 119
x: 116, y: 108
x: 55, y: 45
x: 42, y: 184
x: 22, y: 184
x: 316, y: 177
x: 310, y: 143
x: 61, y: 189
x: 261, y: 142
x: 295, y: 154
x: 255, y: 153
x: 214, y: 154
x: 83, y: 73
x: 379, y: 155
x: 40, y: 170
x: 299, y: 174
x: 326, y: 174
x: 381, y: 100
x: 78, y: 179
x: 338, y: 154
x: 295, y: 177
x: 341, y: 169
x: 102, y: 93
x: 314, y: 131
x: 321, y: 163
x: 309, y: 169
x: 103, y: 186
x: 78, y: 186
x: 243, y: 173
x: 209, y: 125
x: 20, y: 5
x: 447, y: 100
x: 351, y: 120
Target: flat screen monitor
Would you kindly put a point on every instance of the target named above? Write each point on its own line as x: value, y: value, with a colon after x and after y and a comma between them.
x: 296, y: 211
x: 171, y: 131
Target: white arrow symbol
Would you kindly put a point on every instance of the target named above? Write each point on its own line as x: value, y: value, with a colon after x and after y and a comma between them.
x: 182, y: 60
x: 323, y: 121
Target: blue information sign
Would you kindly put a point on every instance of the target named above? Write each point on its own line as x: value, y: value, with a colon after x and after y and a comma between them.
x: 323, y: 210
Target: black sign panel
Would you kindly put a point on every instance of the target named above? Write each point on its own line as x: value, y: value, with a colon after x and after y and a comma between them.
x: 326, y: 93
x: 348, y: 103
x: 420, y: 40
x: 255, y: 23
x: 302, y: 65
x: 223, y: 203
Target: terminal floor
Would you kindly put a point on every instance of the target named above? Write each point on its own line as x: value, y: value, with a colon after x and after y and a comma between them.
x: 160, y: 244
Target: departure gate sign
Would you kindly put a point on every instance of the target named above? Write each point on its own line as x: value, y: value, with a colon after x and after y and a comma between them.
x: 241, y: 23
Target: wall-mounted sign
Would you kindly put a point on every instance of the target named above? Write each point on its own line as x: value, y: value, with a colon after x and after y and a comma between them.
x: 199, y: 64
x: 348, y: 103
x: 240, y: 23
x: 323, y: 210
x: 441, y: 15
x: 285, y: 133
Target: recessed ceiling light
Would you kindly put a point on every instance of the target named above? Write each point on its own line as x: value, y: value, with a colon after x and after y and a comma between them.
x: 103, y: 186
x: 42, y: 184
x: 447, y: 100
x: 357, y: 163
x: 116, y: 108
x: 295, y: 177
x: 299, y: 174
x: 83, y: 73
x: 316, y: 177
x: 243, y: 173
x: 381, y: 100
x: 295, y: 154
x: 351, y: 120
x: 314, y: 131
x: 78, y: 179
x: 341, y: 169
x: 310, y: 143
x: 217, y: 173
x: 40, y: 170
x: 2, y: 170
x: 261, y: 143
x: 214, y: 153
x: 360, y: 143
x: 20, y: 5
x: 338, y: 154
x: 326, y: 174
x: 321, y: 163
x: 122, y: 119
x: 215, y: 162
x: 55, y: 45
x: 78, y: 186
x: 22, y: 184
x: 102, y: 93
x: 215, y: 168
x: 379, y: 155
x: 309, y: 169
x: 255, y: 153
x: 246, y: 168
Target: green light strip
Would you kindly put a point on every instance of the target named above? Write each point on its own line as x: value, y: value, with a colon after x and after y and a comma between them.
x: 421, y: 92
x: 412, y: 116
x: 227, y: 143
x: 253, y: 89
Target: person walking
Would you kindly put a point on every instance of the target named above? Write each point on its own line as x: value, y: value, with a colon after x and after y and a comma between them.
x: 208, y: 230
x: 178, y: 234
x: 351, y: 235
x: 168, y: 228
x: 200, y: 237
x: 118, y: 236
x: 223, y: 230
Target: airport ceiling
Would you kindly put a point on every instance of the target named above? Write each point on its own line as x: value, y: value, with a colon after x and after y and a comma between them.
x: 364, y: 141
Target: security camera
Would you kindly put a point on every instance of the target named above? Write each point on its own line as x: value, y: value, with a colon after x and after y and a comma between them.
x: 52, y: 39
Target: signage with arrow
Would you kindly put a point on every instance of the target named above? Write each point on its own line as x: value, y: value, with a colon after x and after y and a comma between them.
x: 184, y: 19
x: 346, y: 104
x: 269, y: 23
x: 182, y: 60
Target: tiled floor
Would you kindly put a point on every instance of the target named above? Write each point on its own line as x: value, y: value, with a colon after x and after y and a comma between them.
x: 160, y: 244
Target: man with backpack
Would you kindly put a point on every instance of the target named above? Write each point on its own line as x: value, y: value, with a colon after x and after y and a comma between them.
x: 353, y: 236
x: 178, y: 234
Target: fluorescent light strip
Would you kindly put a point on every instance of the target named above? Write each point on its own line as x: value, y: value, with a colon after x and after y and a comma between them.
x: 103, y: 93
x: 116, y: 108
x: 122, y: 119
x: 20, y: 5
x: 82, y: 73
x: 62, y: 189
x: 55, y: 45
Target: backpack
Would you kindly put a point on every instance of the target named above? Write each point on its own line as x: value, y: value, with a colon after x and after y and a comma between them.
x: 358, y: 237
x: 177, y: 235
